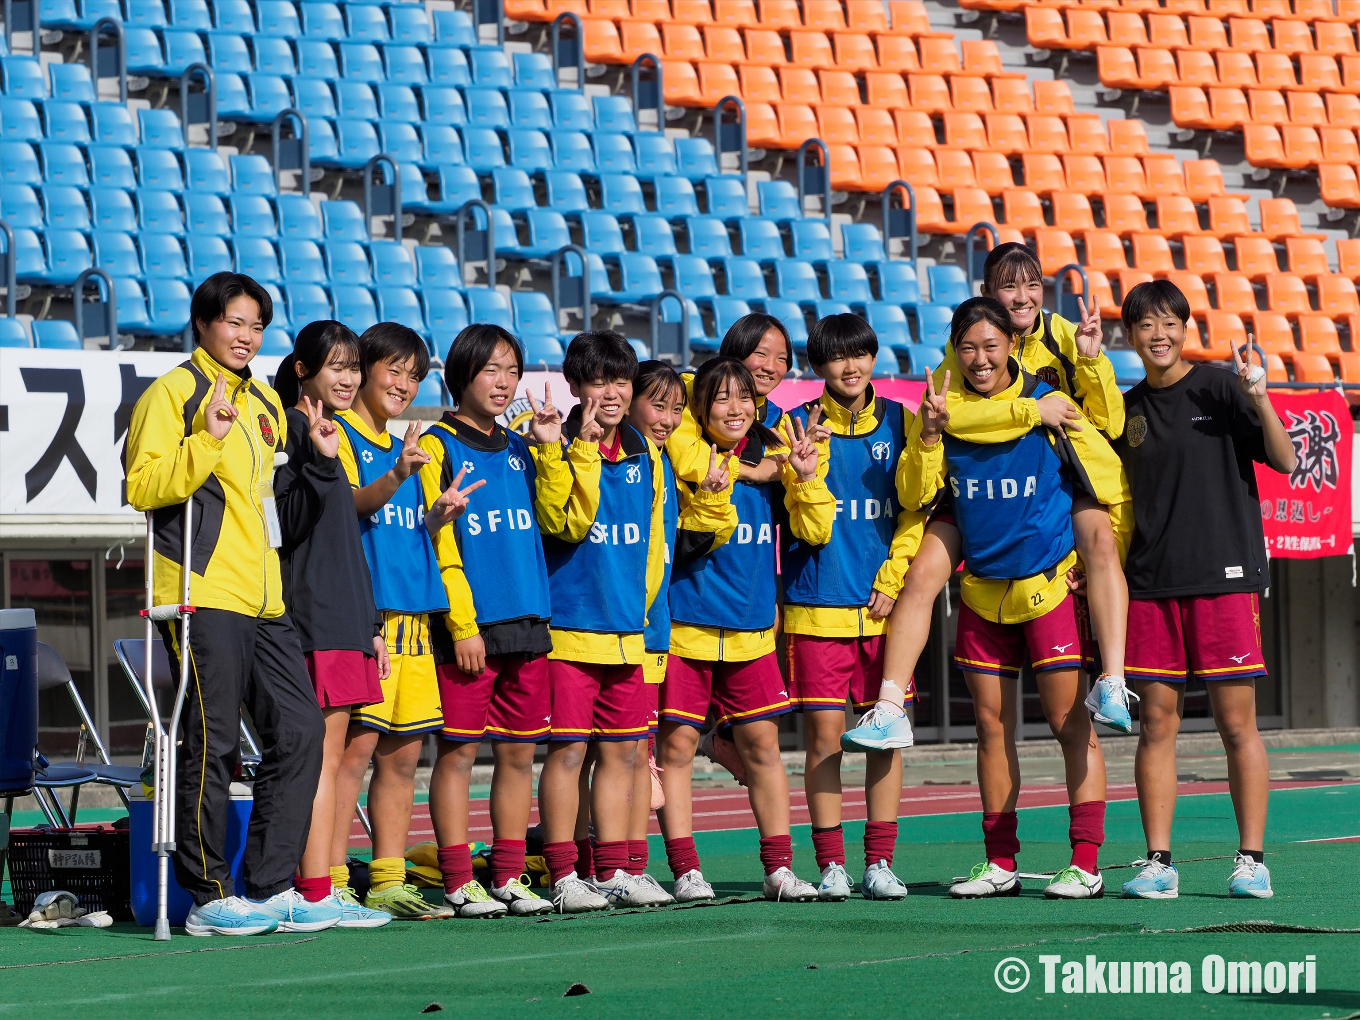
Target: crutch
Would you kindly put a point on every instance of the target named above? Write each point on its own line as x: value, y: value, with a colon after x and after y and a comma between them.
x: 163, y: 799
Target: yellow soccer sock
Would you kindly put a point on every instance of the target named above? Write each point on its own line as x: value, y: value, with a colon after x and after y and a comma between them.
x: 340, y: 876
x: 385, y: 872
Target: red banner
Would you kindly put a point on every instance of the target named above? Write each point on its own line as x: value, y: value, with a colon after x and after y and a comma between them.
x: 1307, y: 514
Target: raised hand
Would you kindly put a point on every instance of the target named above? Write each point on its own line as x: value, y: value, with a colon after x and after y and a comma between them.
x: 220, y: 412
x: 1057, y: 412
x: 412, y: 456
x: 816, y: 432
x: 450, y: 504
x: 1089, y: 334
x: 1251, y: 378
x: 546, y: 425
x: 324, y: 432
x: 718, y: 477
x: 802, y: 453
x: 934, y: 414
x: 591, y: 430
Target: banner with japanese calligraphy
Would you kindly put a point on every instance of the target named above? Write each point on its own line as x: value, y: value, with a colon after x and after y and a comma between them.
x: 1307, y: 514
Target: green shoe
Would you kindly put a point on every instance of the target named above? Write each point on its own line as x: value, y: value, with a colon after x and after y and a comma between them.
x: 405, y: 903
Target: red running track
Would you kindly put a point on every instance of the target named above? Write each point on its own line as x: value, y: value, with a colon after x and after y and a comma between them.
x: 729, y: 808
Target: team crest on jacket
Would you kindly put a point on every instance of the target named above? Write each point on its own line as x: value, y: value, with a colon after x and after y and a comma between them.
x: 266, y: 430
x: 1048, y: 374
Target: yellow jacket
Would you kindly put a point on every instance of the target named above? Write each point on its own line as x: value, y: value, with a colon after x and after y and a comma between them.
x: 552, y: 483
x: 169, y: 457
x: 687, y: 447
x: 1050, y: 353
x: 921, y: 476
x: 823, y: 621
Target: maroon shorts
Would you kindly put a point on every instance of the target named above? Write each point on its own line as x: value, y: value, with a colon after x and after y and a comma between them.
x: 343, y: 678
x: 651, y: 700
x: 508, y: 701
x: 594, y: 702
x: 825, y: 672
x: 740, y: 692
x: 1053, y: 641
x: 1215, y: 637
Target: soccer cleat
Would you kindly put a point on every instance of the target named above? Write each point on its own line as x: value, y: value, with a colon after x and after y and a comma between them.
x: 783, y: 886
x: 665, y: 900
x: 1249, y: 879
x: 405, y: 903
x: 878, y: 730
x: 295, y: 912
x: 1108, y: 703
x: 572, y: 895
x: 471, y: 900
x: 658, y: 794
x: 354, y: 914
x: 691, y: 887
x: 1074, y: 884
x: 987, y: 879
x: 520, y: 900
x: 625, y: 890
x: 879, y: 883
x: 233, y: 915
x: 835, y: 885
x: 720, y: 749
x: 1157, y: 881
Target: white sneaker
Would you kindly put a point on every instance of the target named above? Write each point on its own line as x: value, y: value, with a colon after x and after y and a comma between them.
x: 1074, y: 884
x: 835, y: 885
x: 471, y: 900
x: 783, y: 886
x: 987, y: 879
x: 520, y: 900
x: 625, y: 890
x: 661, y: 897
x: 1249, y: 879
x: 691, y: 887
x: 297, y: 913
x: 879, y: 883
x: 571, y: 895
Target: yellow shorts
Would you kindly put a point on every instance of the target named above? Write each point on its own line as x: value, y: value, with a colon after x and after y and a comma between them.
x: 411, y: 693
x: 654, y: 667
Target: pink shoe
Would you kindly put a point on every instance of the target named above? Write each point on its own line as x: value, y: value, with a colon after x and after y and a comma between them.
x: 658, y: 794
x: 720, y: 749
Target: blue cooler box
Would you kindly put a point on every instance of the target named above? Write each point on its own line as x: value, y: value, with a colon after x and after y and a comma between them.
x: 18, y: 698
x: 143, y: 862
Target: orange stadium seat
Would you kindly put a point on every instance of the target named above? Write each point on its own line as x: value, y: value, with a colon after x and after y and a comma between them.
x: 917, y: 167
x: 1334, y: 37
x: 981, y: 56
x: 1044, y: 28
x: 1267, y: 107
x: 876, y: 126
x: 762, y: 126
x: 1167, y: 30
x: 1338, y: 145
x: 1318, y: 71
x: 1280, y: 218
x: 877, y: 166
x: 797, y: 123
x: 992, y: 171
x: 1127, y: 27
x: 969, y: 93
x: 1085, y: 174
x: 1192, y: 286
x: 1021, y: 209
x: 1085, y: 28
x: 682, y: 42
x: 758, y: 84
x: 839, y: 88
x: 1290, y: 36
x: 836, y: 126
x: 799, y: 85
x: 1087, y: 135
x: 1164, y: 174
x: 897, y: 53
x: 909, y: 16
x: 1256, y: 256
x: 601, y: 44
x: 971, y: 206
x: 1072, y: 212
x: 717, y: 81
x: 1275, y: 335
x: 1314, y: 368
x: 1104, y: 251
x: 680, y: 83
x: 930, y: 211
x: 1053, y: 97
x: 1306, y: 257
x: 1348, y: 259
x: 1196, y: 67
x: 1223, y: 332
x: 1207, y: 33
x: 1125, y: 174
x: 1275, y: 71
x: 964, y: 131
x: 1248, y: 35
x: 866, y: 16
x: 723, y: 42
x: 1318, y: 335
x: 1103, y: 293
x: 1343, y: 110
x: 915, y: 129
x: 886, y: 90
x: 1203, y: 254
x: 845, y: 171
x: 780, y: 14
x: 824, y: 15
x: 1011, y: 95
x: 1047, y: 132
x: 764, y: 46
x: 1176, y: 216
x: 1234, y: 293
x: 938, y: 55
x: 1203, y: 179
x: 1043, y: 172
x: 928, y: 92
x: 658, y: 11
x: 1307, y: 108
x: 693, y: 12
x: 1276, y: 371
x: 736, y: 13
x: 1055, y: 249
x: 854, y: 51
x: 1287, y: 294
x: 1235, y: 69
x: 1152, y: 254
x: 1337, y: 297
x: 811, y: 49
x: 955, y: 169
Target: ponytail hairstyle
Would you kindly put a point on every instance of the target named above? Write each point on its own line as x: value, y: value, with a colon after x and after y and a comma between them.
x: 316, y: 344
x: 1010, y: 263
x: 744, y: 336
x: 979, y: 309
x: 716, y: 374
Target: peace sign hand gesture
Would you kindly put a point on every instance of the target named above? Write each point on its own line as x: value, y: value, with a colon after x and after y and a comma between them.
x: 591, y: 430
x: 546, y: 426
x: 451, y: 503
x: 1089, y: 334
x: 934, y: 413
x: 718, y: 477
x: 1250, y: 377
x: 802, y: 454
x: 324, y: 432
x: 412, y: 456
x: 817, y: 432
x: 220, y: 412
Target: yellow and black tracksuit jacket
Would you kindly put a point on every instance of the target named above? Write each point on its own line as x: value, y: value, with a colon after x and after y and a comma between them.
x: 169, y: 457
x: 687, y: 446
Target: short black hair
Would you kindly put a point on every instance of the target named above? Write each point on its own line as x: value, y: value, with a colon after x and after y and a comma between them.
x: 713, y: 375
x: 744, y: 336
x: 657, y: 377
x: 212, y: 296
x: 313, y: 347
x: 1009, y: 262
x: 391, y: 341
x: 1156, y: 296
x: 840, y: 336
x: 599, y: 354
x: 979, y: 309
x: 471, y: 349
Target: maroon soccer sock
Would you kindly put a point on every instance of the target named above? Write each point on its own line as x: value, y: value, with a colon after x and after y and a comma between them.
x: 313, y: 890
x: 998, y: 836
x: 776, y: 852
x: 829, y: 846
x: 561, y: 858
x: 637, y: 856
x: 610, y: 857
x: 585, y: 857
x: 455, y: 864
x: 1086, y: 831
x: 507, y: 861
x: 879, y: 840
x: 682, y: 855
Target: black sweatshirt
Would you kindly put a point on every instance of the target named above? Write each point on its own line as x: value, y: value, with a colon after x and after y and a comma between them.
x: 326, y: 585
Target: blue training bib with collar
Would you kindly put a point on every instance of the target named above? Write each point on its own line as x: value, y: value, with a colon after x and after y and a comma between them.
x: 657, y: 636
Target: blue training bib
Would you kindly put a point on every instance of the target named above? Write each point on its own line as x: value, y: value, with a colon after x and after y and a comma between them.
x: 657, y: 636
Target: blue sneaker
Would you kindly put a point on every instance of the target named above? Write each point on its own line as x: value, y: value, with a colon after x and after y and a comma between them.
x: 297, y: 913
x: 354, y: 914
x: 230, y: 916
x: 1108, y: 703
x: 878, y: 731
x: 1249, y: 879
x: 1157, y: 881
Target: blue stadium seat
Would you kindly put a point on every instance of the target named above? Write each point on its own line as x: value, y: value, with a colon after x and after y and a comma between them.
x: 400, y: 304
x: 361, y: 62
x: 778, y: 200
x: 322, y: 21
x: 454, y: 27
x: 405, y: 65
x: 112, y: 209
x: 132, y: 313
x: 653, y: 236
x: 507, y: 234
x: 458, y: 185
x: 726, y: 311
x: 566, y: 192
x: 343, y: 221
x: 19, y: 164
x: 886, y: 363
x: 314, y: 98
x: 745, y: 280
x: 348, y: 264
x: 889, y: 321
x: 253, y: 216
x: 529, y: 150
x: 410, y: 25
x: 822, y: 308
x: 316, y: 59
x: 932, y: 323
x: 490, y: 68
x: 111, y: 167
x: 19, y: 120
x: 431, y: 392
x: 862, y: 243
x: 252, y: 175
x: 726, y: 197
x: 486, y: 108
x: 614, y: 113
x: 925, y: 358
x: 22, y: 78
x: 445, y: 312
x: 280, y: 320
x: 443, y: 105
x: 534, y: 71
x: 205, y: 213
x: 572, y: 151
x: 274, y: 56
x: 614, y: 153
x: 159, y: 170
x: 442, y: 145
x: 71, y: 82
x: 55, y: 335
x: 19, y: 206
x: 898, y: 282
x: 298, y: 217
x: 12, y: 333
x: 63, y: 163
x: 797, y: 281
x: 482, y: 147
x: 144, y: 53
x: 448, y: 66
x: 948, y: 285
x: 848, y: 282
x: 355, y: 100
x: 269, y: 96
x: 113, y: 125
x: 543, y: 353
x: 68, y: 255
x: 64, y: 208
x: 278, y: 18
x: 675, y: 198
x: 30, y: 259
x: 302, y: 262
x: 193, y: 15
x: 547, y: 233
x: 601, y: 233
x: 622, y: 195
x: 793, y: 319
x: 655, y: 155
x: 148, y: 15
x: 228, y: 52
x: 530, y: 109
x: 512, y: 189
x: 307, y: 302
x: 230, y: 16
x: 760, y: 239
x: 256, y: 257
x: 364, y: 23
x: 117, y: 251
x: 162, y: 258
x: 398, y: 103
x: 708, y: 237
x: 695, y: 158
x: 168, y: 306
x: 533, y: 313
x: 698, y: 340
x: 393, y: 265
x: 182, y: 48
x: 488, y: 305
x: 233, y: 101
x: 276, y: 340
x: 159, y: 212
x: 571, y: 110
x: 204, y: 171
x: 322, y: 148
x: 400, y: 141
x: 693, y: 278
x: 437, y: 267
x: 1128, y: 367
x: 812, y: 241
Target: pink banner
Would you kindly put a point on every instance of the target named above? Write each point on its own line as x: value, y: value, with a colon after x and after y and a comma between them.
x: 1307, y: 514
x: 791, y: 392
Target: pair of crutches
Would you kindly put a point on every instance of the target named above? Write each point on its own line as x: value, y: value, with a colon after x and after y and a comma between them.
x: 163, y: 750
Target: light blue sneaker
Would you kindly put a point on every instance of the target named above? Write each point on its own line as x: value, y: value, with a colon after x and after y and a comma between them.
x: 297, y: 913
x: 354, y: 914
x: 1157, y: 881
x: 1108, y: 703
x: 233, y: 915
x: 878, y: 731
x: 1249, y: 879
